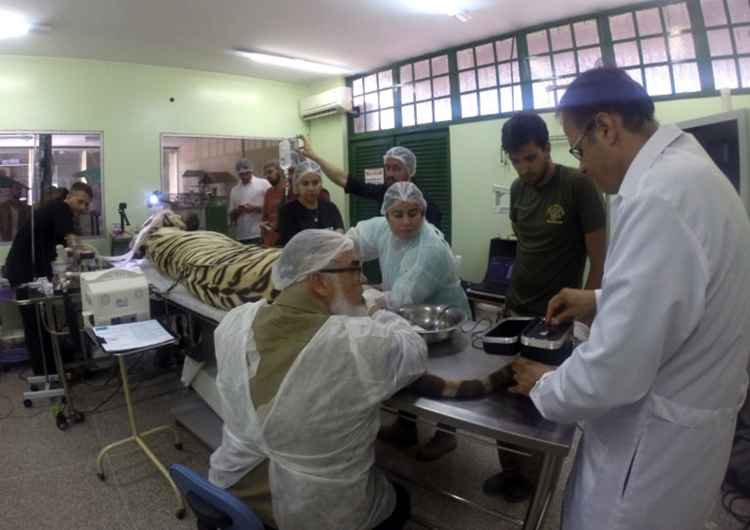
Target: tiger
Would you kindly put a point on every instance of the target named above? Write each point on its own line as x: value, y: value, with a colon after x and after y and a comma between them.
x: 224, y: 273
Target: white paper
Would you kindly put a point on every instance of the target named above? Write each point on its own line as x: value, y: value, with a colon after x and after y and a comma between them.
x: 132, y: 336
x: 374, y: 176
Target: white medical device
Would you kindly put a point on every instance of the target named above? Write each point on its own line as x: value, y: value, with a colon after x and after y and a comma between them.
x: 115, y: 296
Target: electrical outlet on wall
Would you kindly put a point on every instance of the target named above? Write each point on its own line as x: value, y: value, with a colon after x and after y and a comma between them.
x: 502, y: 198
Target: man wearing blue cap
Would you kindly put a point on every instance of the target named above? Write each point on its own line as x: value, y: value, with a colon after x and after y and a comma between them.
x: 658, y: 385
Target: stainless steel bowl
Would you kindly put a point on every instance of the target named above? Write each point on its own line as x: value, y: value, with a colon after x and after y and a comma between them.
x: 435, y: 323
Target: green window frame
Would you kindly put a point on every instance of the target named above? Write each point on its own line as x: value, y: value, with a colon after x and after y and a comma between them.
x: 374, y: 95
x: 672, y: 50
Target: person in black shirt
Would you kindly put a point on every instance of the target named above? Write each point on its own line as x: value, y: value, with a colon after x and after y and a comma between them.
x: 399, y: 165
x: 54, y: 224
x: 308, y: 210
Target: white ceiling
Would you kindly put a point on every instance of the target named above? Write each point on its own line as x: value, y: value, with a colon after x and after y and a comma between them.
x: 359, y: 35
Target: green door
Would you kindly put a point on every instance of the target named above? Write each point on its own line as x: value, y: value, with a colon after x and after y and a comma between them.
x: 433, y: 175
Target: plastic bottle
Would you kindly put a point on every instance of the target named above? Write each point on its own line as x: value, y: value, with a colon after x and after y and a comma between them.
x: 285, y: 154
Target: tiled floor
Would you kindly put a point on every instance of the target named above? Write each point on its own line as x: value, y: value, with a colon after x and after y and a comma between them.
x: 48, y: 477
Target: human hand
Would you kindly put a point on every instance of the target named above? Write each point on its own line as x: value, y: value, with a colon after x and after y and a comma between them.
x: 527, y: 373
x: 569, y: 304
x: 307, y: 149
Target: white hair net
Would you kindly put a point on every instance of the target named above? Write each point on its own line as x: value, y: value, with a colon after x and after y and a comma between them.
x: 403, y: 155
x: 308, y: 252
x: 402, y: 191
x: 307, y: 166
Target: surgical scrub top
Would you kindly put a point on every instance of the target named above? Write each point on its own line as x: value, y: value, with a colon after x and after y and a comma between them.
x: 418, y: 271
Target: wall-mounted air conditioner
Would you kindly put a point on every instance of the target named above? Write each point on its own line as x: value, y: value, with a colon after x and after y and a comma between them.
x: 334, y: 101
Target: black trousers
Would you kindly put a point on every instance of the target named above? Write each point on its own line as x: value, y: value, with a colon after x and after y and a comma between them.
x: 38, y: 341
x: 401, y: 513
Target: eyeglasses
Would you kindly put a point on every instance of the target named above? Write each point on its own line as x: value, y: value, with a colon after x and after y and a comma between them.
x: 354, y: 267
x: 575, y: 150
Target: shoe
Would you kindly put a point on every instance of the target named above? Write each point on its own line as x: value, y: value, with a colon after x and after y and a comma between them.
x: 511, y: 485
x: 402, y: 433
x: 440, y: 445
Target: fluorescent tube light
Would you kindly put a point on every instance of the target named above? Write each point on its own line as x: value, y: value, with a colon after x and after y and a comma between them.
x: 12, y: 25
x: 289, y: 62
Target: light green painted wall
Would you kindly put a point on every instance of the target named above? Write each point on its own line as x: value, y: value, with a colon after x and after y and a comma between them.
x: 475, y: 167
x: 130, y: 105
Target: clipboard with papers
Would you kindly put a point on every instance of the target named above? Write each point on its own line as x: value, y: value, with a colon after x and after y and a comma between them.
x: 119, y: 338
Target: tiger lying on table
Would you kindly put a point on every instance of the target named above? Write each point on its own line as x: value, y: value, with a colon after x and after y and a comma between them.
x: 224, y: 273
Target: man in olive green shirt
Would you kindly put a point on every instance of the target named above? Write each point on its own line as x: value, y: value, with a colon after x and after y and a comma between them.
x: 559, y: 220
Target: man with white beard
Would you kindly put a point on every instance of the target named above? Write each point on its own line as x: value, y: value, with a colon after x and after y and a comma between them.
x: 301, y: 381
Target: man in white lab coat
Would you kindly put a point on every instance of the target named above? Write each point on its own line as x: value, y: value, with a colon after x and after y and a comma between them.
x: 301, y: 381
x: 658, y: 385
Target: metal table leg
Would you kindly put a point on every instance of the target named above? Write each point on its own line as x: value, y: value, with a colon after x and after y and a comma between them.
x: 542, y: 495
x: 138, y: 439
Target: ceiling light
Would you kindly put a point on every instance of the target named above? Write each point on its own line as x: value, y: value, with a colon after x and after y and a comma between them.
x: 12, y: 25
x: 289, y: 62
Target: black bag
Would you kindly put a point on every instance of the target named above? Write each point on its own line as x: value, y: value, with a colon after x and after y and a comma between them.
x: 738, y: 472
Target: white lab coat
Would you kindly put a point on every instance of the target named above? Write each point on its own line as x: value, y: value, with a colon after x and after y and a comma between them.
x: 658, y: 385
x: 319, y: 430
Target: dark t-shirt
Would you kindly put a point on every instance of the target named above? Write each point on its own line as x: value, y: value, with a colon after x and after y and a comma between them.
x: 376, y: 192
x: 52, y: 222
x: 550, y: 222
x: 294, y: 217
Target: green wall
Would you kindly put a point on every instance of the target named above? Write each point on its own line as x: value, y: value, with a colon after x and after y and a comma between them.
x: 475, y: 167
x: 130, y: 105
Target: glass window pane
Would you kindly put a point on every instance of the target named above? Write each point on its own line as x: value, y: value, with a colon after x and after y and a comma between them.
x: 372, y: 120
x: 387, y: 119
x: 636, y: 75
x: 654, y: 50
x: 385, y: 79
x: 589, y: 58
x: 745, y: 71
x: 469, y: 107
x: 487, y: 76
x: 439, y: 65
x: 359, y: 101
x: 386, y: 98
x: 561, y: 37
x: 713, y: 12
x: 443, y: 110
x: 720, y: 42
x: 658, y: 82
x: 725, y: 74
x: 649, y: 22
x: 686, y: 77
x: 587, y: 33
x: 626, y: 54
x: 622, y: 26
x: 509, y: 73
x: 565, y: 63
x: 742, y: 39
x: 676, y: 17
x: 543, y: 98
x: 422, y: 69
x: 371, y: 83
x: 488, y: 102
x: 537, y: 42
x: 467, y: 81
x: 407, y: 93
x: 441, y: 86
x: 506, y: 50
x: 511, y: 99
x: 423, y: 90
x: 407, y: 116
x: 359, y: 124
x: 424, y: 112
x: 681, y: 47
x: 541, y: 67
x: 739, y: 11
x: 357, y: 87
x: 371, y: 102
x: 406, y: 74
x: 465, y: 58
x: 485, y: 54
